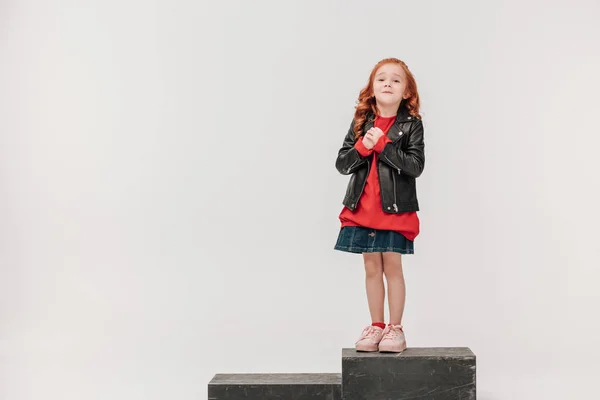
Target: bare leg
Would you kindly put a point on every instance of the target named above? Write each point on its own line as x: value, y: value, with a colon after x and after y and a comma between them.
x: 392, y: 268
x: 375, y: 287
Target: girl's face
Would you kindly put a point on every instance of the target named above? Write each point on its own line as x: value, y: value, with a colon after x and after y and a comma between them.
x: 389, y: 85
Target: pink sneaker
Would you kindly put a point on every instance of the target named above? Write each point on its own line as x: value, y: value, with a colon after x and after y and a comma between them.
x: 369, y: 338
x: 393, y: 340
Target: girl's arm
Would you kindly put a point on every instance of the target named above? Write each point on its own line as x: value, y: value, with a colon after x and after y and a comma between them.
x: 352, y: 155
x: 410, y: 161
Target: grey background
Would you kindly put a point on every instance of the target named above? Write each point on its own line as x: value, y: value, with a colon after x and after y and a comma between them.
x: 169, y: 202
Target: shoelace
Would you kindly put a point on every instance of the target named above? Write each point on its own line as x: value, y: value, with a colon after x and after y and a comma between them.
x: 368, y: 333
x: 393, y: 333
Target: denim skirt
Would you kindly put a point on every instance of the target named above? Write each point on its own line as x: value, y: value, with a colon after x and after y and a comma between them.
x: 356, y: 239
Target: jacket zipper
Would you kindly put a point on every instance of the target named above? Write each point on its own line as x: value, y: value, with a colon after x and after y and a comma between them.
x: 395, y: 201
x: 350, y: 167
x: 395, y: 205
x: 394, y: 165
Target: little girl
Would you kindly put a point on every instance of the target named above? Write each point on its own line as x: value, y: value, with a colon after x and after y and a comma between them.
x: 383, y: 152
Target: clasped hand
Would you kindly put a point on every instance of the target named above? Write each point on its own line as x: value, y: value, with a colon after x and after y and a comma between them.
x: 372, y: 137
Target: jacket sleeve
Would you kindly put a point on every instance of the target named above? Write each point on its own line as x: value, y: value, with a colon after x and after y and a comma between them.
x: 349, y: 159
x: 411, y: 160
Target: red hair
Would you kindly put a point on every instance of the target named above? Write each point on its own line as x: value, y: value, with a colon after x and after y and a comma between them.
x: 366, y: 100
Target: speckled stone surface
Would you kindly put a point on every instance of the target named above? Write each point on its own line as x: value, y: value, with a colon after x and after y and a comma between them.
x: 438, y: 373
x: 275, y: 387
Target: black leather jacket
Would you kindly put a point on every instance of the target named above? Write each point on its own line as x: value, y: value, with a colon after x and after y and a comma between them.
x: 400, y: 162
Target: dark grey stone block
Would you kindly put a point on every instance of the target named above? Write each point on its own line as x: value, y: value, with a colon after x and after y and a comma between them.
x: 275, y: 387
x: 439, y: 373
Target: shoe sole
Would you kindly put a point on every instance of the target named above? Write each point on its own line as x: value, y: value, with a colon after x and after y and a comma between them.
x: 367, y: 349
x: 390, y: 350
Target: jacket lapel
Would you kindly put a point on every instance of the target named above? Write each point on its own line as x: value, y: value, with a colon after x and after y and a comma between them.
x: 394, y: 132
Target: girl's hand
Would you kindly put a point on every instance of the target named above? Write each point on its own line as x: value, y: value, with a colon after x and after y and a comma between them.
x: 374, y: 134
x: 367, y: 142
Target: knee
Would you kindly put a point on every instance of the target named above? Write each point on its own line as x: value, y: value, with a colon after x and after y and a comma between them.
x: 373, y: 270
x: 392, y: 266
x: 393, y: 271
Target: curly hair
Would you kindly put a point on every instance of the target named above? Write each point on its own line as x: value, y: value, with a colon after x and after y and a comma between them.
x: 366, y: 100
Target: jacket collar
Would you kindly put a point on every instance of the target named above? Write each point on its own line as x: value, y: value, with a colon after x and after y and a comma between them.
x: 401, y: 116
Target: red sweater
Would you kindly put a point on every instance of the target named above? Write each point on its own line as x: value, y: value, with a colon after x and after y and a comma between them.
x: 369, y: 212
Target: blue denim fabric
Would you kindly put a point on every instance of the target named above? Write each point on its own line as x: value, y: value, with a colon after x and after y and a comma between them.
x: 356, y: 239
